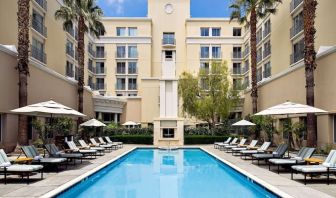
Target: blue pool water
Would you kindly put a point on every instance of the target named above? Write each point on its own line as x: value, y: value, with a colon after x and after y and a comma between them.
x: 152, y: 173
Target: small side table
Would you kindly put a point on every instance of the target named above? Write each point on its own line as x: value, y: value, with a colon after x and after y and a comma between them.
x: 313, y: 160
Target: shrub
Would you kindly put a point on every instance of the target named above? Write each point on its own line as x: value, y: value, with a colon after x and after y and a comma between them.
x: 110, y: 131
x: 204, y: 139
x: 218, y: 131
x: 133, y: 139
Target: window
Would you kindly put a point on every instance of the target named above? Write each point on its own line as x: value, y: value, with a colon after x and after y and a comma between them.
x: 121, y: 31
x: 267, y: 27
x: 132, y: 52
x: 132, y: 94
x: 132, y: 31
x: 168, y: 39
x: 205, y: 67
x: 168, y: 55
x: 246, y: 81
x: 216, y: 31
x: 259, y: 55
x: 259, y: 35
x: 259, y: 74
x: 298, y: 51
x: 216, y: 52
x: 100, y: 51
x: 121, y: 67
x: 236, y: 31
x: 168, y: 133
x: 37, y: 50
x: 100, y: 67
x: 204, y: 51
x: 236, y: 67
x: 121, y: 51
x: 90, y: 65
x: 205, y: 31
x: 204, y: 84
x: 132, y: 84
x: 119, y: 94
x: 90, y: 82
x: 297, y: 24
x: 267, y: 69
x: 236, y: 83
x: 69, y: 69
x: 69, y: 48
x: 38, y: 23
x: 76, y: 72
x: 100, y: 83
x: 132, y: 67
x: 237, y: 52
x: 121, y: 84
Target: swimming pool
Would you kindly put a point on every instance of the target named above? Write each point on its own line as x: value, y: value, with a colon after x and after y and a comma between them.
x: 153, y: 173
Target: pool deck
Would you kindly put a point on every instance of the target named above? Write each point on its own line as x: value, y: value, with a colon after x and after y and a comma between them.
x: 52, y: 180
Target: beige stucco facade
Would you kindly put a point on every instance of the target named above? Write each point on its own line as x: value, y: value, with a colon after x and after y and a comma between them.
x: 130, y: 58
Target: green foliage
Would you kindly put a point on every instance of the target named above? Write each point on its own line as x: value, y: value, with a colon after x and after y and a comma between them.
x: 124, y: 131
x: 133, y: 139
x: 204, y: 139
x: 208, y: 95
x: 112, y: 126
x: 217, y: 131
x: 263, y: 123
x: 62, y: 126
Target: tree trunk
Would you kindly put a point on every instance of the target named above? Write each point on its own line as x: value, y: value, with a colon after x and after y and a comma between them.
x: 80, y: 52
x: 253, y: 43
x: 309, y: 8
x: 23, y: 66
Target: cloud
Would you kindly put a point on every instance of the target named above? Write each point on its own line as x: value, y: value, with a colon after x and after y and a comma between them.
x: 116, y: 5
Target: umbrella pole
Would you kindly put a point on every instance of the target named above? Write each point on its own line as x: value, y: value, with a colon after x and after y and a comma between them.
x: 289, y: 138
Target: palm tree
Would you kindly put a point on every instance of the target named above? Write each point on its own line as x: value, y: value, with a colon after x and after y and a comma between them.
x: 248, y: 12
x: 23, y: 65
x: 309, y: 9
x: 87, y: 15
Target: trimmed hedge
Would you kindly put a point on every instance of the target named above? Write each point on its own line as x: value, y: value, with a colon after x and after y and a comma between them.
x: 133, y: 139
x: 131, y: 131
x: 204, y: 139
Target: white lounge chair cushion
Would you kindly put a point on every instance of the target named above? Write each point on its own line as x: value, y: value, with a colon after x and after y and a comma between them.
x: 250, y: 151
x: 97, y: 148
x: 52, y: 160
x: 285, y: 161
x: 239, y: 148
x: 311, y: 168
x: 231, y: 146
x: 5, y: 164
x: 87, y: 151
x: 23, y: 168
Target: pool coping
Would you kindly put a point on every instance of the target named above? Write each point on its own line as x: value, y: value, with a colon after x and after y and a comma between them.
x: 259, y: 181
x: 80, y: 178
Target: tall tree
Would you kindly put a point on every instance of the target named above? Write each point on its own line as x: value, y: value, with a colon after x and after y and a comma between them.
x: 208, y: 95
x: 23, y: 65
x: 248, y: 12
x: 87, y: 15
x: 309, y: 14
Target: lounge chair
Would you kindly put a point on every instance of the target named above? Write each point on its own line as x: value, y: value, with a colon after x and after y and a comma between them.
x: 114, y: 145
x: 222, y: 145
x: 54, y: 152
x: 121, y: 144
x: 252, y: 144
x: 304, y: 153
x: 106, y: 146
x: 31, y: 152
x: 278, y: 153
x: 85, y: 152
x: 18, y: 169
x: 327, y: 167
x: 225, y: 142
x: 255, y: 150
x: 240, y: 144
x: 84, y: 145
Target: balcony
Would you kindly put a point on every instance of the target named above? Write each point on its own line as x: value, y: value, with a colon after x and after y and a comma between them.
x: 38, y: 54
x: 236, y: 55
x: 42, y: 3
x: 70, y: 51
x: 100, y: 70
x: 296, y: 57
x: 39, y: 27
x: 295, y: 30
x: 168, y: 42
x: 100, y: 54
x: 294, y: 4
x: 267, y: 52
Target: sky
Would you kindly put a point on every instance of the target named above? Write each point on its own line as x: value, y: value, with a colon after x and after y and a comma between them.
x: 138, y: 8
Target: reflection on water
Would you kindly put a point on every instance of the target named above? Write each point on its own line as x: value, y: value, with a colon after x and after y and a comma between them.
x: 150, y: 173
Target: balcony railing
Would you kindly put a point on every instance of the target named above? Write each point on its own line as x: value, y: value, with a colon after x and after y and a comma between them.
x: 168, y: 41
x: 39, y: 27
x: 267, y: 52
x: 100, y: 70
x: 38, y: 54
x: 294, y: 4
x: 42, y: 3
x: 295, y: 30
x: 296, y: 57
x: 236, y: 55
x: 70, y: 51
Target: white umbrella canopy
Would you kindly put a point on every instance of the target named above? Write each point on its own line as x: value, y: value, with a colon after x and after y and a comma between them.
x: 93, y: 123
x: 130, y: 123
x: 243, y: 123
x: 290, y: 108
x: 47, y: 109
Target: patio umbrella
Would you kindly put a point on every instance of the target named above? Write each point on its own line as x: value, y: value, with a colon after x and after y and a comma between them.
x: 289, y: 108
x: 243, y: 123
x: 129, y: 124
x: 93, y: 123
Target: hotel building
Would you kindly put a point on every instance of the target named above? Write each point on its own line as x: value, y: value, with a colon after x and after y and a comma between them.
x: 131, y: 72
